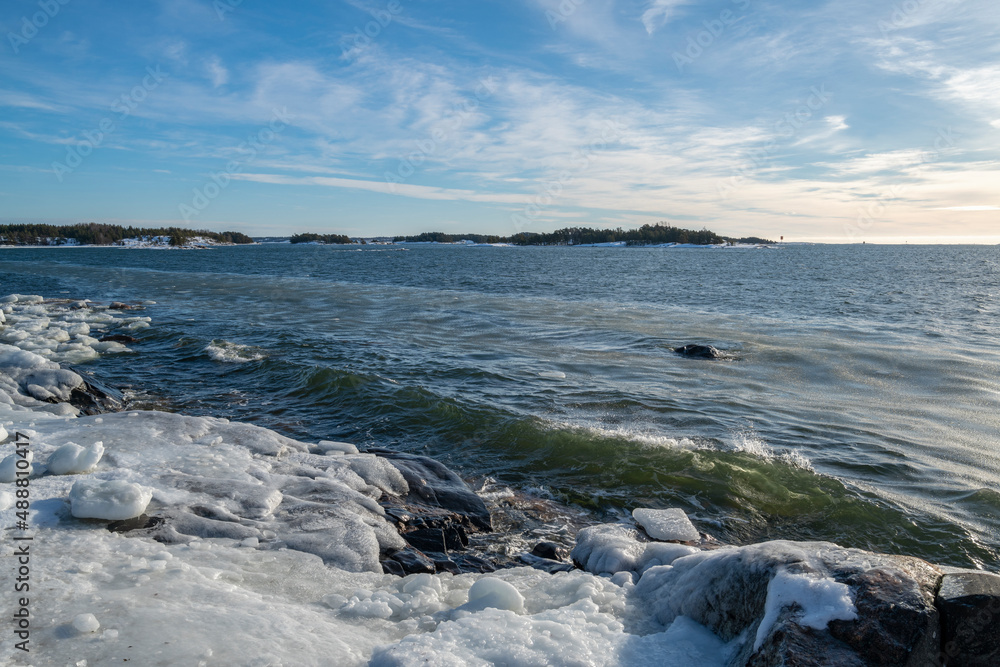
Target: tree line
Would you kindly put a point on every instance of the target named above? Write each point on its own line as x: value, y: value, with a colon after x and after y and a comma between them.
x: 101, y: 234
x: 645, y: 235
x: 320, y: 238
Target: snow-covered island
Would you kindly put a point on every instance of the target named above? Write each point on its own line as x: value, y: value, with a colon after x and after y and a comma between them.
x: 161, y: 539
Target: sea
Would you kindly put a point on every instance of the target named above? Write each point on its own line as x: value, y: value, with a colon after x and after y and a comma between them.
x: 858, y: 400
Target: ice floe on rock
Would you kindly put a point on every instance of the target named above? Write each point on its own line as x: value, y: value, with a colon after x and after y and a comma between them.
x: 111, y: 500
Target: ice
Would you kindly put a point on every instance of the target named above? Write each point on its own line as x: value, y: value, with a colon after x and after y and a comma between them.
x: 72, y: 459
x: 668, y: 524
x: 228, y: 352
x: 112, y: 500
x: 86, y: 623
x: 612, y: 548
x: 821, y: 600
x: 6, y: 500
x: 492, y: 593
x: 3, y: 434
x: 330, y: 447
x: 9, y: 467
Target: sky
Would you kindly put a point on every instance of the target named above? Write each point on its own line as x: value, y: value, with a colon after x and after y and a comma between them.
x: 842, y: 121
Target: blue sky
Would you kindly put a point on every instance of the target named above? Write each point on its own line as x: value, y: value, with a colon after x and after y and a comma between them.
x: 837, y: 121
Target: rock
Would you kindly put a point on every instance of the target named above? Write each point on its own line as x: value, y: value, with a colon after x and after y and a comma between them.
x: 550, y: 551
x: 897, y: 622
x: 118, y: 305
x: 791, y: 645
x: 118, y: 338
x: 408, y: 561
x: 438, y: 513
x: 726, y: 590
x: 433, y: 485
x: 141, y: 522
x: 969, y: 603
x: 546, y: 564
x: 93, y: 397
x: 696, y: 351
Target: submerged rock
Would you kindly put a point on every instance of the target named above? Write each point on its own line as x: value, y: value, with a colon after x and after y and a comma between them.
x: 696, y: 351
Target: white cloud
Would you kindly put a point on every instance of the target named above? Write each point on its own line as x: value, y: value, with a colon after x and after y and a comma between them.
x: 967, y: 208
x: 217, y: 73
x: 659, y: 12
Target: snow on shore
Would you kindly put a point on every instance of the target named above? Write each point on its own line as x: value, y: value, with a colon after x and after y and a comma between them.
x: 268, y: 549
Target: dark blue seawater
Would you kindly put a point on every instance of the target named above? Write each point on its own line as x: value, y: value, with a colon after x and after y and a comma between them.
x: 861, y: 405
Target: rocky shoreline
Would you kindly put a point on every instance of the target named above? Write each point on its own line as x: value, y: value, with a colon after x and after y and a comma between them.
x: 776, y: 603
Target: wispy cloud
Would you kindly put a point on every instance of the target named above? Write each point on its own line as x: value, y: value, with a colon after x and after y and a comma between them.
x: 659, y: 12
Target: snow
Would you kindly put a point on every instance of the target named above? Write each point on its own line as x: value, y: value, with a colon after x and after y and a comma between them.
x: 668, y: 524
x: 72, y: 459
x: 111, y: 500
x: 821, y: 601
x: 9, y: 467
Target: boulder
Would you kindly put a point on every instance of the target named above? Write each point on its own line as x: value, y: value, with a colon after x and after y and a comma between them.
x: 969, y: 603
x: 696, y: 351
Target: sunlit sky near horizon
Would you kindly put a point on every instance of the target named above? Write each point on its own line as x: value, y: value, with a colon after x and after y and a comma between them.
x: 834, y: 121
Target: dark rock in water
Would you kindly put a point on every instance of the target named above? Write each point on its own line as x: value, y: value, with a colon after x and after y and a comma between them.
x: 408, y: 561
x: 438, y: 532
x: 118, y: 338
x: 94, y: 397
x: 969, y: 603
x: 696, y: 351
x: 438, y: 514
x: 433, y: 485
x: 140, y: 522
x: 118, y: 305
x: 550, y: 551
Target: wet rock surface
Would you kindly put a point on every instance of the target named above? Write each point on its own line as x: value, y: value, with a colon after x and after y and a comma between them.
x: 969, y: 603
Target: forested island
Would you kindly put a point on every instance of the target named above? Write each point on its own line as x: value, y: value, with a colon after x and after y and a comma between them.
x: 645, y: 235
x: 101, y: 234
x: 320, y: 238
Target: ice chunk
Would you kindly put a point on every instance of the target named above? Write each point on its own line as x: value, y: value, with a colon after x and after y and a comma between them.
x: 6, y: 500
x: 72, y: 459
x: 821, y: 599
x: 86, y: 623
x: 3, y: 434
x: 113, y: 500
x: 331, y: 447
x: 608, y: 548
x: 9, y: 466
x: 489, y: 592
x: 666, y: 525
